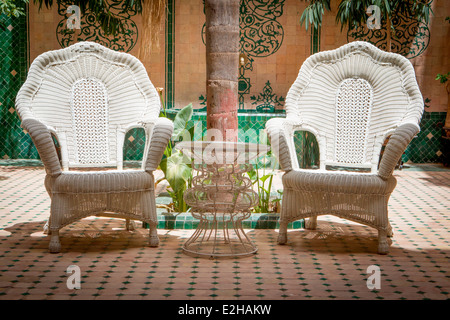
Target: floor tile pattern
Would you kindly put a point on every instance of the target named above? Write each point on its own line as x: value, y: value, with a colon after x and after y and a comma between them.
x: 328, y: 263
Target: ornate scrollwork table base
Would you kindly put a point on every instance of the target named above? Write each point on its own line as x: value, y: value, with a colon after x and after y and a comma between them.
x: 221, y: 197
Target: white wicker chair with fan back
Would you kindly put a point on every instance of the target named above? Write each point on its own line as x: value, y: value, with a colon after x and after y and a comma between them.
x: 88, y: 97
x: 351, y: 99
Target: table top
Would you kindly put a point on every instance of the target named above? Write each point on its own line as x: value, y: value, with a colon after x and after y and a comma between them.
x: 222, y: 152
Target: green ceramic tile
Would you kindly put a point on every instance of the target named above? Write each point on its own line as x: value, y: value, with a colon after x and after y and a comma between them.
x: 15, y: 144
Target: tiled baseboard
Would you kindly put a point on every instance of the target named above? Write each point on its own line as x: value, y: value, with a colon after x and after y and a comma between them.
x: 185, y: 220
x: 255, y: 221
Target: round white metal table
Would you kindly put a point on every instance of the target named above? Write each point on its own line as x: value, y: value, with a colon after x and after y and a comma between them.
x: 221, y: 196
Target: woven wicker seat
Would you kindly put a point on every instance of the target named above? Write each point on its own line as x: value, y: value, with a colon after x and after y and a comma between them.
x: 88, y: 97
x: 351, y: 99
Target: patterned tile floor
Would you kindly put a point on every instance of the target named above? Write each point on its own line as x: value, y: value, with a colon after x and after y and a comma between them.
x: 329, y: 263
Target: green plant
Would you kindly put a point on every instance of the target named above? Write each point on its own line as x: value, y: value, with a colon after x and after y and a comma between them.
x: 110, y: 22
x: 312, y: 15
x: 352, y: 13
x: 443, y: 78
x: 264, y: 184
x: 262, y: 190
x: 14, y: 8
x: 11, y: 8
x: 175, y: 165
x: 178, y: 173
x: 109, y: 17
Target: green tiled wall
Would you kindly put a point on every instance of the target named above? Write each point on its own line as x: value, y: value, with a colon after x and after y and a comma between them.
x: 133, y: 148
x: 251, y: 130
x: 427, y: 146
x: 187, y: 221
x: 170, y: 53
x: 14, y: 143
x: 256, y: 221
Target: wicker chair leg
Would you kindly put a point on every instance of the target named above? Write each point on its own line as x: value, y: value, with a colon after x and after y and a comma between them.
x: 129, y: 224
x: 383, y: 242
x: 153, y: 235
x: 390, y: 233
x: 311, y: 223
x: 282, y: 234
x: 55, y: 244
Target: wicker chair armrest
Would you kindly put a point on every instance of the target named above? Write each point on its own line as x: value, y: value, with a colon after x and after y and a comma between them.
x: 280, y: 132
x: 160, y: 137
x: 45, y: 146
x: 397, y: 144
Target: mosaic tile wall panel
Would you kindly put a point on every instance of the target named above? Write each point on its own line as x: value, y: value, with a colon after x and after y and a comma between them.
x: 251, y: 130
x: 14, y: 143
x: 427, y: 146
x: 170, y: 55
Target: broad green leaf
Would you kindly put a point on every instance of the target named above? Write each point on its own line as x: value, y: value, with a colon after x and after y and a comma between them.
x: 192, y: 131
x: 181, y: 120
x: 177, y: 171
x: 252, y: 175
x: 265, y: 177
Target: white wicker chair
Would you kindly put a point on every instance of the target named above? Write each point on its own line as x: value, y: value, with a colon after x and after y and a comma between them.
x: 88, y: 97
x: 351, y: 99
